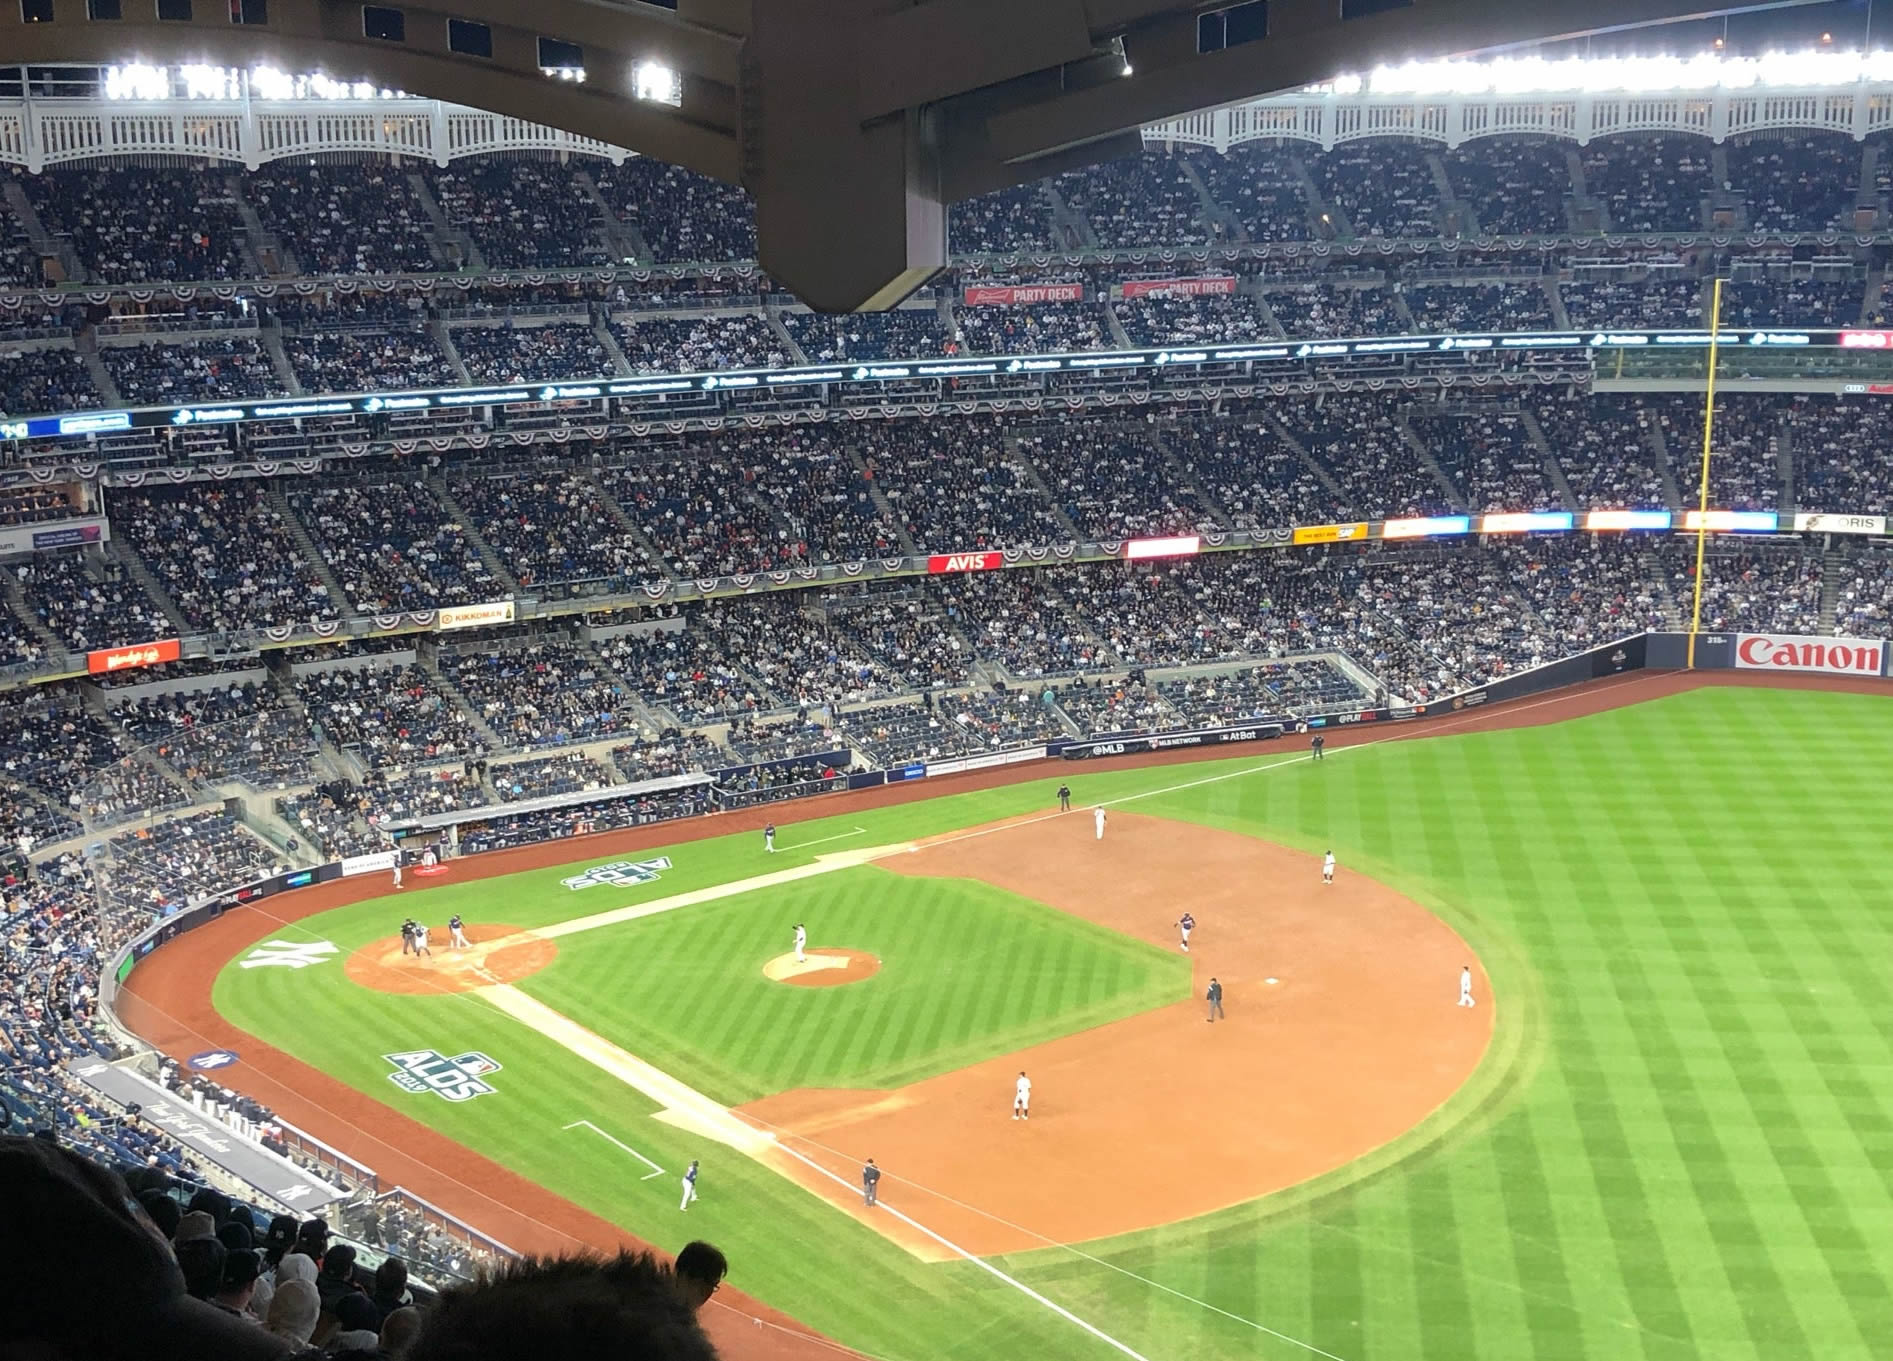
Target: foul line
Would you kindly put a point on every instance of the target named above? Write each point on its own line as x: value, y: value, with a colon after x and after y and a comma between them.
x: 655, y: 1171
x: 824, y: 840
x: 980, y: 1262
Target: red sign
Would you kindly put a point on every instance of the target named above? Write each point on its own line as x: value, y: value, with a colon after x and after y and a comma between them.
x: 1796, y: 652
x: 1022, y: 293
x: 1179, y: 288
x: 125, y: 658
x: 964, y: 562
x: 1865, y: 340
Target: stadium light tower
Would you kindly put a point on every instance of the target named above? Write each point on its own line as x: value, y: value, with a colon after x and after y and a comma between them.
x: 853, y: 123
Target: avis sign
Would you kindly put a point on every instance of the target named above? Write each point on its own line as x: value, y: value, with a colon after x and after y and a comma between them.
x: 1797, y: 652
x: 460, y: 1078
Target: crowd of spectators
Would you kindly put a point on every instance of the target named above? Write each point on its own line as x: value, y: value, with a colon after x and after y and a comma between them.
x: 236, y: 731
x: 712, y: 341
x: 1260, y: 185
x: 682, y: 216
x: 1653, y: 300
x: 1863, y: 597
x: 1318, y: 311
x: 1488, y: 453
x: 1792, y: 302
x: 1755, y: 588
x: 224, y: 555
x: 1796, y: 182
x: 1142, y: 200
x: 391, y: 793
x: 368, y: 361
x: 905, y: 629
x: 685, y: 672
x: 1603, y: 449
x: 1358, y: 440
x: 1834, y: 442
x: 1242, y: 465
x: 1478, y: 307
x: 88, y: 600
x: 521, y: 213
x: 1111, y: 481
x: 955, y: 485
x: 1745, y: 472
x: 230, y: 369
x: 329, y: 818
x: 392, y: 546
x: 343, y: 218
x: 1005, y: 222
x: 137, y: 224
x: 386, y: 715
x: 170, y: 862
x: 1019, y: 622
x: 1040, y: 328
x: 671, y: 752
x: 569, y: 772
x: 905, y: 333
x: 1384, y: 188
x: 546, y: 694
x: 1650, y: 182
x: 1272, y: 690
x: 531, y: 354
x: 599, y: 815
x: 33, y: 382
x: 550, y: 524
x: 697, y: 507
x: 1515, y: 186
x: 1214, y: 319
x: 806, y: 477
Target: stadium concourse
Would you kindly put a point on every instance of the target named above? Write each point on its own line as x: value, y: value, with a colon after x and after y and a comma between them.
x: 310, y: 565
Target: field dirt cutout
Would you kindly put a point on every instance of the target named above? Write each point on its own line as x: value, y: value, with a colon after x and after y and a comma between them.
x: 495, y: 954
x: 1160, y: 1117
x: 821, y: 968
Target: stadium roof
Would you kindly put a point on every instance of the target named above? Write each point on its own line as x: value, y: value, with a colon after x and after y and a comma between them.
x: 852, y: 122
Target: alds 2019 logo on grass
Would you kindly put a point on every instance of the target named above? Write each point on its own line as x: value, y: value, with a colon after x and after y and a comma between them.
x: 623, y: 872
x: 429, y: 1070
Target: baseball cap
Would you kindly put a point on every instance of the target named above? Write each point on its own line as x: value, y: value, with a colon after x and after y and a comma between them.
x: 53, y: 1279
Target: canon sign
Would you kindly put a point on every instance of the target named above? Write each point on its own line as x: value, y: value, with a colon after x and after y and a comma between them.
x: 1794, y: 652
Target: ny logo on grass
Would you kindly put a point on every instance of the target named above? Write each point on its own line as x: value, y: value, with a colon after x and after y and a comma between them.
x: 429, y: 1070
x: 624, y: 872
x: 288, y: 954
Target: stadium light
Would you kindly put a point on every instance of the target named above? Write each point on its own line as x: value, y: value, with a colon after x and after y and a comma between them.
x: 658, y: 83
x: 1821, y: 66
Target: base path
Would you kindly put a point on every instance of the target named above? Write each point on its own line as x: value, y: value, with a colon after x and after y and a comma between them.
x: 1164, y: 1115
x: 496, y: 954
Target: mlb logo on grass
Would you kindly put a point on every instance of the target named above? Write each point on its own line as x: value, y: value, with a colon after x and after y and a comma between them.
x: 622, y: 872
x: 429, y: 1070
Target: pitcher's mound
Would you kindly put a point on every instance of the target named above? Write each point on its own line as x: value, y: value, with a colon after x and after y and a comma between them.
x: 497, y: 954
x: 822, y: 968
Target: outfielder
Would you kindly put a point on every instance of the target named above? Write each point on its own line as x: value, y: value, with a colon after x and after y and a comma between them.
x: 1097, y: 816
x: 1327, y: 868
x: 801, y: 940
x: 1022, y: 1097
x: 690, y: 1185
x: 1465, y: 987
x: 458, y: 930
x: 1186, y: 924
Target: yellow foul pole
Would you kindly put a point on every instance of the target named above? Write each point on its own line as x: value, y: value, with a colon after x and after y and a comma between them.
x: 1708, y: 431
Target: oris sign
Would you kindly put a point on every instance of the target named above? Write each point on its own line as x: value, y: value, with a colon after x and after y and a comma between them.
x: 1796, y: 652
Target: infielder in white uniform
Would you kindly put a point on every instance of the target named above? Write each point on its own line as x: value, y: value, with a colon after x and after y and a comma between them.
x: 1465, y: 987
x: 690, y: 1185
x: 1022, y: 1097
x: 801, y: 939
x: 1097, y: 816
x: 1327, y: 868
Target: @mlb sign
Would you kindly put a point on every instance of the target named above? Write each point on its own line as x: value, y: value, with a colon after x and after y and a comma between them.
x: 623, y: 872
x: 454, y: 1079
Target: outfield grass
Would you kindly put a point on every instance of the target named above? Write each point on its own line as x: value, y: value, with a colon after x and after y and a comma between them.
x: 1684, y: 1150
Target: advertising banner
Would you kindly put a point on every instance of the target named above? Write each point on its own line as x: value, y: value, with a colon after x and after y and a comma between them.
x: 1201, y: 737
x: 1178, y: 288
x: 111, y: 659
x: 986, y: 762
x: 473, y: 616
x: 1798, y: 652
x: 44, y: 538
x: 1331, y: 533
x: 1023, y: 293
x: 965, y: 562
x: 367, y: 864
x: 1811, y: 522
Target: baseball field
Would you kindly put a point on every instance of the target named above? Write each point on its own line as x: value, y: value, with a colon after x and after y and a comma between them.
x: 1665, y: 1130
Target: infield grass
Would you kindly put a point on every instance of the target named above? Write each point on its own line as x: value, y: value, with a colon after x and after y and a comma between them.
x: 1682, y: 1149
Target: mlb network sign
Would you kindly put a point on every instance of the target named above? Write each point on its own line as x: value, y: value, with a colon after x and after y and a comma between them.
x: 1797, y: 652
x: 625, y: 873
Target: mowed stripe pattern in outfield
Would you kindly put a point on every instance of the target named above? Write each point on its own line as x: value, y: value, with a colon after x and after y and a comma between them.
x: 1701, y: 1164
x: 1689, y: 903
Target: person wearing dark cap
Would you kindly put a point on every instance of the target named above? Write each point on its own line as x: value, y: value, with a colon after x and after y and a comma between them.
x: 53, y: 1279
x: 235, y: 1236
x: 240, y: 1269
x: 700, y: 1270
x: 357, y: 1326
x: 201, y: 1260
x: 213, y: 1203
x: 391, y: 1286
x: 280, y: 1239
x: 337, y: 1278
x: 163, y: 1210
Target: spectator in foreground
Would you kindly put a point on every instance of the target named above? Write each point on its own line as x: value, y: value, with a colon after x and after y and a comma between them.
x: 54, y: 1307
x: 700, y: 1270
x: 391, y: 1286
x: 358, y: 1327
x: 399, y: 1330
x: 539, y: 1307
x: 293, y: 1311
